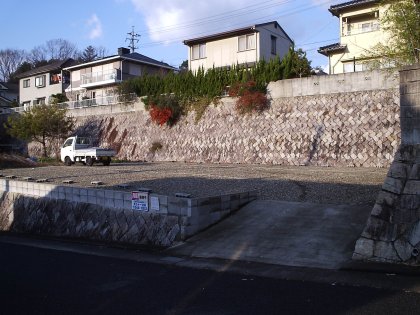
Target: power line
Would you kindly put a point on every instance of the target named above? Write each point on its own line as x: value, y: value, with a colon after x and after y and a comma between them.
x: 289, y: 12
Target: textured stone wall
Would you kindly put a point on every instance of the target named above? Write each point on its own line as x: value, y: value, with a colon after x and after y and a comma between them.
x: 392, y: 233
x: 60, y: 218
x: 345, y: 129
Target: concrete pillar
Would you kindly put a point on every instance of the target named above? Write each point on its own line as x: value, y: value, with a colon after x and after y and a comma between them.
x: 410, y: 104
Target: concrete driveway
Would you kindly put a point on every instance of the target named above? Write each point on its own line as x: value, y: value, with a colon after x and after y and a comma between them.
x: 283, y: 233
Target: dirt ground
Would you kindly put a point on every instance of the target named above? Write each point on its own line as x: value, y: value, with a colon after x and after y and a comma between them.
x: 273, y: 182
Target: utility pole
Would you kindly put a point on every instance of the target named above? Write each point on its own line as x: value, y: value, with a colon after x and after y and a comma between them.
x: 132, y: 39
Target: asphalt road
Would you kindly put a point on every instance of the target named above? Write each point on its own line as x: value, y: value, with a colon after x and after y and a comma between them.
x: 46, y: 281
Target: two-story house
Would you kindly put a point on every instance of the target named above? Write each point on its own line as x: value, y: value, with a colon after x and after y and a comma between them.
x: 37, y: 85
x: 360, y: 30
x: 244, y: 46
x: 96, y: 81
x: 9, y: 94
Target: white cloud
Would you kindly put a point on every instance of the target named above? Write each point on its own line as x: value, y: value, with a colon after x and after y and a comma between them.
x: 176, y: 20
x: 95, y: 25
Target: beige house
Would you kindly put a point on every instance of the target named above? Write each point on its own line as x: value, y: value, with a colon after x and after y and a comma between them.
x: 37, y: 85
x: 97, y: 80
x: 244, y: 46
x: 360, y: 30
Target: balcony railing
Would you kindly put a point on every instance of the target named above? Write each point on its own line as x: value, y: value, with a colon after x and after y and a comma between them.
x: 99, y: 101
x: 362, y: 28
x: 93, y: 78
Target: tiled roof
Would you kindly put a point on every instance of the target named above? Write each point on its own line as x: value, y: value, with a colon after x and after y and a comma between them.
x: 336, y: 9
x: 130, y: 56
x: 325, y: 50
x: 231, y: 33
x: 56, y: 65
x: 12, y: 87
x: 145, y: 59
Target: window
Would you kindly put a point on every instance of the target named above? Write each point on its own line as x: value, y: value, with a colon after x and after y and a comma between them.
x: 199, y: 51
x: 26, y: 83
x: 246, y: 42
x: 68, y: 143
x: 55, y: 78
x: 354, y: 67
x: 40, y: 81
x: 39, y: 101
x: 274, y: 45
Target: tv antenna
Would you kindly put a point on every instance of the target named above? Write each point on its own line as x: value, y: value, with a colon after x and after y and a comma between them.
x: 132, y: 39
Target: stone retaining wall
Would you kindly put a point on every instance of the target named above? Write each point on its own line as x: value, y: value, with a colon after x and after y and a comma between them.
x: 392, y: 233
x: 106, y: 215
x: 339, y: 120
x: 344, y: 129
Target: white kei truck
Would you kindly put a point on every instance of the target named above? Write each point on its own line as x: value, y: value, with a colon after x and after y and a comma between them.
x: 80, y: 149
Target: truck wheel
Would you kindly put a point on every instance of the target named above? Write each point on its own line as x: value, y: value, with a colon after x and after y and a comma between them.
x: 89, y: 161
x: 67, y: 161
x: 106, y: 161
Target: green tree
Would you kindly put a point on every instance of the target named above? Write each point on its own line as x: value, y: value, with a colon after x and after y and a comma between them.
x: 89, y: 54
x: 301, y: 65
x: 401, y: 22
x: 42, y: 123
x: 184, y: 66
x: 295, y: 64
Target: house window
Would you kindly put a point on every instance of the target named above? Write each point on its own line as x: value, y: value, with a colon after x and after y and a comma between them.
x: 55, y: 78
x: 39, y: 101
x: 40, y: 81
x: 354, y: 67
x: 199, y: 51
x: 246, y: 42
x: 274, y: 45
x: 26, y: 83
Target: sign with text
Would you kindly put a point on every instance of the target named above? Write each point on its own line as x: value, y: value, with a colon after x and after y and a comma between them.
x: 140, y: 200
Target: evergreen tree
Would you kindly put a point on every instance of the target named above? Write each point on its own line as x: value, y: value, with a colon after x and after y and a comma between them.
x: 89, y: 54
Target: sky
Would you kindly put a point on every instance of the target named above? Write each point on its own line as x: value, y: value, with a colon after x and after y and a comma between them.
x: 162, y: 24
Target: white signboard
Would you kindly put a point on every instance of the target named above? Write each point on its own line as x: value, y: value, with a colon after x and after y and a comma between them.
x: 154, y: 203
x: 140, y: 200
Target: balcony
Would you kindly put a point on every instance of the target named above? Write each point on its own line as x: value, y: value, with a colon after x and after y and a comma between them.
x: 360, y: 28
x: 100, y: 78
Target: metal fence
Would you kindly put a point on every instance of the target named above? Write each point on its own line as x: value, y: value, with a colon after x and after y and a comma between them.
x: 98, y: 101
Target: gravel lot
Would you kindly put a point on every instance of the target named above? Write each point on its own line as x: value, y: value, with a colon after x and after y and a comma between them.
x: 292, y: 183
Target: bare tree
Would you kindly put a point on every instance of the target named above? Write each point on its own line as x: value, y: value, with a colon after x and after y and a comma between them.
x: 10, y: 60
x: 54, y: 49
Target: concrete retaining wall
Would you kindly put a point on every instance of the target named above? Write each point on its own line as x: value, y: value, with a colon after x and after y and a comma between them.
x: 76, y: 212
x: 332, y: 84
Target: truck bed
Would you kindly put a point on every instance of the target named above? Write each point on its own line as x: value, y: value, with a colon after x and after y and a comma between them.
x: 94, y: 151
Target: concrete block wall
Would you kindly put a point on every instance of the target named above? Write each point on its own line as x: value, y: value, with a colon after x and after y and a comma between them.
x: 107, y: 109
x: 333, y: 84
x: 40, y: 207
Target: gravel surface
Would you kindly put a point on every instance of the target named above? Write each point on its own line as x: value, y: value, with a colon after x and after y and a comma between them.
x: 292, y: 183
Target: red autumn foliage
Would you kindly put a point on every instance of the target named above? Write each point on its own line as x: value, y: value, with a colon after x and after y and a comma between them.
x: 160, y: 115
x: 251, y: 101
x: 239, y: 88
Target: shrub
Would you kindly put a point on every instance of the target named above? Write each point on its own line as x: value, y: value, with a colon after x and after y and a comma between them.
x: 251, y: 101
x: 160, y: 115
x: 250, y: 98
x: 163, y: 109
x: 156, y: 146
